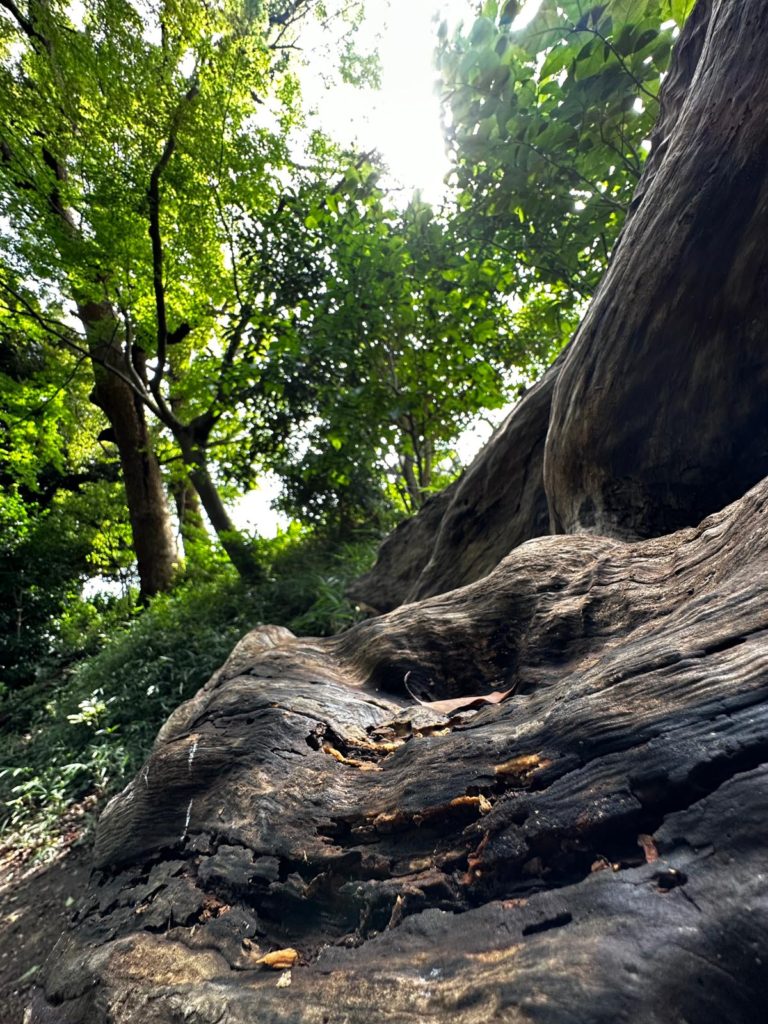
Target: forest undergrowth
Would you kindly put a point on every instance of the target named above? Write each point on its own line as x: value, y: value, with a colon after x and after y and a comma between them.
x: 83, y: 727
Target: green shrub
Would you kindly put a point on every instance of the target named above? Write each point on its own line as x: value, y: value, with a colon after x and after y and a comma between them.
x: 91, y: 728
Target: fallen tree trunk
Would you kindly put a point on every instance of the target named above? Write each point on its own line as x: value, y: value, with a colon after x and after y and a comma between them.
x: 599, y: 834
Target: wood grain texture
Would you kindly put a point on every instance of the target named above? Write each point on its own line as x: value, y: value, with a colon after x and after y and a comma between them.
x: 492, y: 864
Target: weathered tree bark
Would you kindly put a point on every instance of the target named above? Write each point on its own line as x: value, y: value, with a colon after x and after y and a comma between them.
x: 590, y: 851
x: 681, y: 313
x: 658, y: 417
x: 593, y: 849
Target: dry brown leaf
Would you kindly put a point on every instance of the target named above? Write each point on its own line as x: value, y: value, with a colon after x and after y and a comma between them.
x: 447, y: 707
x: 381, y: 747
x: 648, y: 847
x: 523, y: 766
x: 279, y: 959
x: 388, y: 819
x: 518, y: 901
x: 365, y: 766
x: 397, y: 913
x: 482, y: 803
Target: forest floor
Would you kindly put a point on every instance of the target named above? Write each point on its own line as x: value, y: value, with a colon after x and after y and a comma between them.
x: 36, y: 901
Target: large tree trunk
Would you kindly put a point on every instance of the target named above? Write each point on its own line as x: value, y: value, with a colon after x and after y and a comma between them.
x: 153, y: 543
x: 590, y: 850
x: 659, y: 412
x: 681, y: 313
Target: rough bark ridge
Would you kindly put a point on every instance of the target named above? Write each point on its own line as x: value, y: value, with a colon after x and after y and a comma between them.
x: 600, y: 834
x: 591, y: 850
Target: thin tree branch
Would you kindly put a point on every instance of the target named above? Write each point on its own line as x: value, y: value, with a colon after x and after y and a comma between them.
x: 622, y: 63
x: 153, y: 197
x: 34, y: 413
x: 26, y: 25
x: 58, y: 330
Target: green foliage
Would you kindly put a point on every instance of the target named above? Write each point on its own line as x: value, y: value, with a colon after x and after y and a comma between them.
x: 548, y: 126
x: 136, y: 146
x: 46, y: 555
x: 403, y: 340
x: 89, y: 729
x: 62, y: 516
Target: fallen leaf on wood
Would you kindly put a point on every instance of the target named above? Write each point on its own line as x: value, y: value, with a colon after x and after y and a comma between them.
x: 382, y: 747
x: 648, y: 847
x: 279, y: 959
x: 366, y: 766
x: 523, y: 766
x: 482, y: 803
x: 397, y: 913
x: 447, y: 707
x: 517, y: 901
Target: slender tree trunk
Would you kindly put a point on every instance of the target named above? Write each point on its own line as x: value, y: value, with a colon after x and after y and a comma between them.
x: 153, y: 542
x: 412, y: 484
x: 234, y: 543
x: 190, y: 516
x: 425, y: 468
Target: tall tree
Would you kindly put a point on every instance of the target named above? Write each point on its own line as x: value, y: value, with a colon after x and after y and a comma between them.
x: 590, y: 850
x: 135, y: 143
x: 406, y: 340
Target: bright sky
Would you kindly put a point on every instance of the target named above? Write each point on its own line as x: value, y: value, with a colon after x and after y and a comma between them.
x: 402, y: 119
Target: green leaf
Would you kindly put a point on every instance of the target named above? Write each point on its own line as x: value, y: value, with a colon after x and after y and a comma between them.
x: 680, y: 9
x: 483, y: 31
